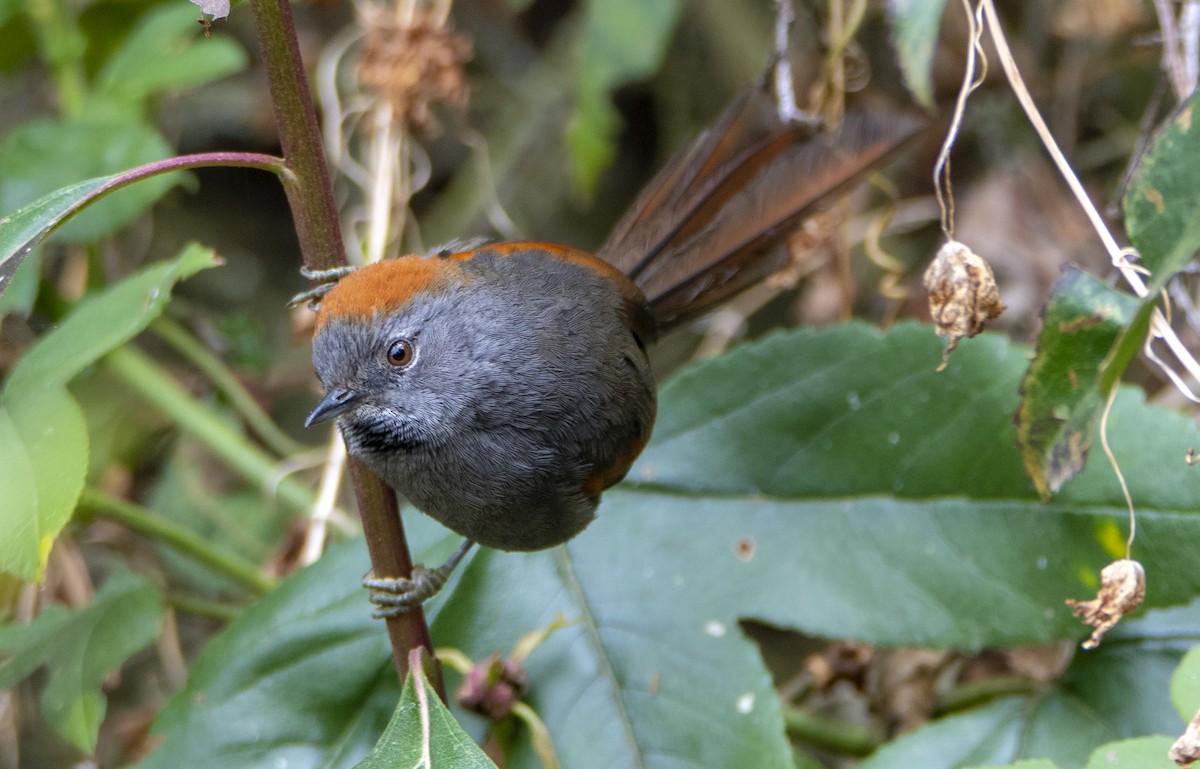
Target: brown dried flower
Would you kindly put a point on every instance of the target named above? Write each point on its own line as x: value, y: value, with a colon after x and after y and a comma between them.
x: 1122, y: 588
x: 962, y: 294
x: 492, y: 687
x: 413, y: 64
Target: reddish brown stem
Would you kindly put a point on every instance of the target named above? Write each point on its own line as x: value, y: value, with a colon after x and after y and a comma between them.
x: 310, y: 195
x: 389, y: 556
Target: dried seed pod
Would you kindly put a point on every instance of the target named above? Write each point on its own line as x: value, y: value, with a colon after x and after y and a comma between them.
x: 962, y: 294
x: 1122, y: 588
x: 1186, y: 750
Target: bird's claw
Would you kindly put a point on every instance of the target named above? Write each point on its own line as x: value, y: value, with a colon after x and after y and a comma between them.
x: 394, y: 596
x: 325, y: 280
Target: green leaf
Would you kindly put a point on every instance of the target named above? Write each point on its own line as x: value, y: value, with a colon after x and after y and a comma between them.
x: 1117, y: 690
x: 1140, y: 753
x: 423, y: 733
x: 81, y: 649
x: 19, y: 294
x: 1128, y: 345
x: 43, y: 435
x: 303, y: 677
x: 103, y: 321
x: 43, y: 463
x: 1185, y: 685
x: 845, y: 411
x: 46, y: 154
x: 856, y: 469
x: 322, y: 687
x: 914, y: 35
x: 623, y: 40
x: 1061, y: 394
x: 22, y: 230
x: 991, y: 735
x: 186, y: 494
x: 652, y: 634
x: 1163, y: 196
x: 827, y: 480
x: 164, y: 53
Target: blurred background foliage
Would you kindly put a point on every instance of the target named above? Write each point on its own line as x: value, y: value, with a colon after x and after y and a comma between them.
x: 572, y: 106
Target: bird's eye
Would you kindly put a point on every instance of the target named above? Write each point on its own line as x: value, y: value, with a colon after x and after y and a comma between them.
x: 401, y: 353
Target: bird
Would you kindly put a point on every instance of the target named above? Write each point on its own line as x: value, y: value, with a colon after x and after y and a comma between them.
x: 502, y: 387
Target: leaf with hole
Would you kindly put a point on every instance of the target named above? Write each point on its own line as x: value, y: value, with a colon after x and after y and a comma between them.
x: 826, y: 480
x: 1115, y: 691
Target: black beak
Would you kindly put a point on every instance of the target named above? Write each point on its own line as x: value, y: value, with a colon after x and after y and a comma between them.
x: 334, y: 403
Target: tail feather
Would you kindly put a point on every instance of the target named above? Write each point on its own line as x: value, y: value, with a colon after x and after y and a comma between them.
x: 696, y: 177
x: 713, y: 221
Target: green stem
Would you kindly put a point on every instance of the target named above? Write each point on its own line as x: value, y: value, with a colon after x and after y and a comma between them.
x: 984, y: 690
x: 227, y: 382
x: 204, y: 608
x: 161, y: 529
x: 146, y: 378
x: 829, y: 734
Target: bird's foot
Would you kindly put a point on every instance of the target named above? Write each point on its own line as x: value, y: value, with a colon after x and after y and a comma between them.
x: 394, y: 596
x: 325, y: 279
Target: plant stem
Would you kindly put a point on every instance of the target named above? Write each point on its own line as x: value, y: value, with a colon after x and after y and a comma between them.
x: 27, y: 236
x: 227, y: 382
x: 984, y: 690
x: 388, y: 548
x: 161, y: 529
x: 145, y: 377
x: 310, y: 195
x: 306, y: 176
x: 829, y: 734
x: 204, y: 608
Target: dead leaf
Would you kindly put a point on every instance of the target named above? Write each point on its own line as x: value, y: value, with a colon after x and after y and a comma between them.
x: 1122, y: 588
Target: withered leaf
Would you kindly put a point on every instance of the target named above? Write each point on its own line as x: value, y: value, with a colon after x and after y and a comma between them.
x: 1122, y: 588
